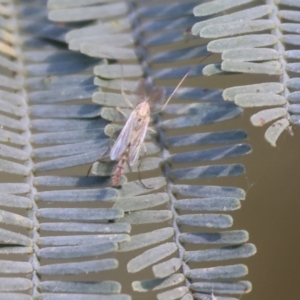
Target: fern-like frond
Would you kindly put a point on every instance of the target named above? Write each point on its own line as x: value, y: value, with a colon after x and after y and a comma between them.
x: 111, y: 78
x: 242, y: 37
x: 65, y: 225
x: 54, y: 230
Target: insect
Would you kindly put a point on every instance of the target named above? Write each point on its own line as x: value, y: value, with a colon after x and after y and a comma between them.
x: 120, y: 167
x: 127, y: 147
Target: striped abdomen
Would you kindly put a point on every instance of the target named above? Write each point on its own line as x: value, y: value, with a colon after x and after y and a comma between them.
x: 119, y: 169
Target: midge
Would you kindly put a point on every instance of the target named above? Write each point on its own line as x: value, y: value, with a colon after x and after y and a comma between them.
x: 127, y: 147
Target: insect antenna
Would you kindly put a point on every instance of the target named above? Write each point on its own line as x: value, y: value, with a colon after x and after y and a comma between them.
x: 99, y: 159
x: 180, y: 83
x: 140, y: 178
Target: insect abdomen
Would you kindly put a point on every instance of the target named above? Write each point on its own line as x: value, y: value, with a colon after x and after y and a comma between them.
x: 119, y: 171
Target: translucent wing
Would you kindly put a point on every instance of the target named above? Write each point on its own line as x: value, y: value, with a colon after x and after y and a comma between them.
x: 137, y: 141
x: 132, y: 136
x: 134, y: 131
x: 124, y: 138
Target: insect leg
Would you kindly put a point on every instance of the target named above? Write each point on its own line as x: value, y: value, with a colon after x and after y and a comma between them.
x: 121, y: 112
x: 139, y: 173
x: 145, y: 148
x: 99, y: 159
x: 126, y: 98
x: 122, y: 90
x: 152, y: 130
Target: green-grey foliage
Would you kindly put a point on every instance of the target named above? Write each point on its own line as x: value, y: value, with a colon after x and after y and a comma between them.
x: 64, y: 64
x: 244, y: 53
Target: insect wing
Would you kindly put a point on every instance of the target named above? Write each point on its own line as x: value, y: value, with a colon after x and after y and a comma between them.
x: 137, y: 141
x: 124, y: 138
